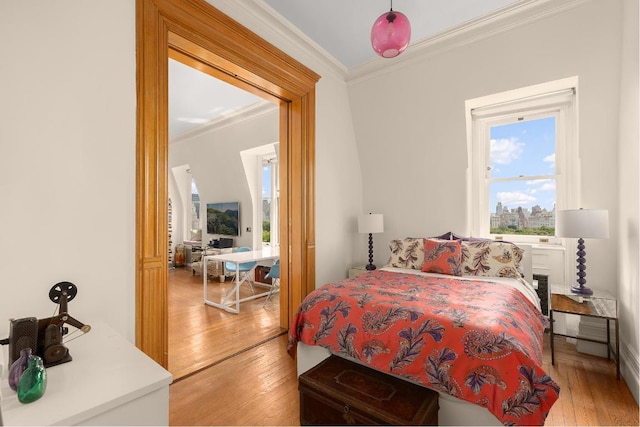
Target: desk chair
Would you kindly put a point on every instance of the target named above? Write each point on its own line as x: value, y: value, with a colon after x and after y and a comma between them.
x: 274, y: 275
x: 246, y: 268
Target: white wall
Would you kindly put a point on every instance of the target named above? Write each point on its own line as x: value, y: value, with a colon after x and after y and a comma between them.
x: 338, y: 186
x: 629, y: 180
x: 68, y: 109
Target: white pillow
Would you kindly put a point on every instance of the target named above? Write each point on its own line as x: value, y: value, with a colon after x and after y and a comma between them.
x: 406, y: 253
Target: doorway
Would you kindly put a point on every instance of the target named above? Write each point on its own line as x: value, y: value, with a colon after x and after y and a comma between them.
x: 220, y: 147
x: 200, y: 34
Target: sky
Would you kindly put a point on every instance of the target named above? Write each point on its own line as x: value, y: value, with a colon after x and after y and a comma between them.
x: 524, y: 148
x: 266, y: 181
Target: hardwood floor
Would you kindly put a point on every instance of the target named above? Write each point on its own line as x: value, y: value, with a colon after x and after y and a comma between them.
x: 590, y: 395
x: 200, y: 335
x: 257, y: 385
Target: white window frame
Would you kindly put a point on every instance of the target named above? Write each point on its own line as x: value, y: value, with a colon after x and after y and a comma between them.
x: 192, y: 182
x: 558, y: 98
x: 275, y: 199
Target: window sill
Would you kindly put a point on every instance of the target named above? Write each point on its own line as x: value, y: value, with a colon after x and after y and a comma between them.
x: 529, y: 240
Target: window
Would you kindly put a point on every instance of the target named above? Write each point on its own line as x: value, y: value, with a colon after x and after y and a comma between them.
x: 270, y: 200
x: 195, y: 225
x: 521, y: 176
x: 523, y: 158
x: 261, y: 170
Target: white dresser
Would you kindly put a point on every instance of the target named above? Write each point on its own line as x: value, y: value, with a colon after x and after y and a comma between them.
x: 108, y: 382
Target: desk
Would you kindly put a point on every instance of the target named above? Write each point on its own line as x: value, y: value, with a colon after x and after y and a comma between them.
x: 600, y: 304
x: 228, y: 302
x: 108, y: 382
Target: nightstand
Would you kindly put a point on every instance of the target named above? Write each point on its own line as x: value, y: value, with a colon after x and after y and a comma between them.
x: 356, y: 271
x: 600, y: 305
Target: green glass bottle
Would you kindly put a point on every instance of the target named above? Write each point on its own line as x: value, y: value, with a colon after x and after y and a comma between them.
x: 33, y: 381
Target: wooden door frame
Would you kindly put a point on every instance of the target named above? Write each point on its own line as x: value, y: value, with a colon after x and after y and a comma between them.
x: 196, y: 33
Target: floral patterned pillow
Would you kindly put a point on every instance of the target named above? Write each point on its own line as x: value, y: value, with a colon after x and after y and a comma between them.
x: 491, y: 258
x: 406, y: 253
x: 442, y: 256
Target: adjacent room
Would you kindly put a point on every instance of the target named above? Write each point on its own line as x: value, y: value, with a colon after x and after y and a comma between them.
x: 223, y: 195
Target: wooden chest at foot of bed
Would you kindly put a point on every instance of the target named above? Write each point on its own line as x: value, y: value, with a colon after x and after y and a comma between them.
x: 340, y: 392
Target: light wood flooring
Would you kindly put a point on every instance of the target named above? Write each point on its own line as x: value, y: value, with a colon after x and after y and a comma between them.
x: 201, y: 335
x: 257, y: 385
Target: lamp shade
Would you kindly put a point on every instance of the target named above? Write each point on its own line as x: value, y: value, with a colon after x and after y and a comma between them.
x: 583, y: 223
x: 371, y: 223
x: 390, y: 34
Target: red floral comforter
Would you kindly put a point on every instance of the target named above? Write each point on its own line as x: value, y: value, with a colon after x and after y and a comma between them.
x: 478, y: 341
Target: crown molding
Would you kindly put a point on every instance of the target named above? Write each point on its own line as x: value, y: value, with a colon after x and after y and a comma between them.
x: 260, y: 18
x: 264, y: 21
x: 484, y: 27
x: 250, y: 112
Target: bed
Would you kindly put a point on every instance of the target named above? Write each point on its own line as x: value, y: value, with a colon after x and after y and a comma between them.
x: 456, y: 316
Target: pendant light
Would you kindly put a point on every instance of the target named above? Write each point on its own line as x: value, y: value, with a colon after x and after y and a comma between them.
x: 390, y: 34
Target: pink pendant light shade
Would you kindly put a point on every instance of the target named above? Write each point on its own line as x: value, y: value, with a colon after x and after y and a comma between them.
x: 390, y: 34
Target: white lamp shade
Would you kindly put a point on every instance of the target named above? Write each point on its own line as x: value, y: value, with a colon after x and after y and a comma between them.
x: 583, y: 223
x: 371, y: 223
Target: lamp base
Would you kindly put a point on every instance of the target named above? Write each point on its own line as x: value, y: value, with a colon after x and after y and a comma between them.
x: 582, y: 290
x: 370, y: 266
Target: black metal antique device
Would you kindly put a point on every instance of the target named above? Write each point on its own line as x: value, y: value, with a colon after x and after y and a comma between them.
x: 44, y: 336
x: 51, y: 329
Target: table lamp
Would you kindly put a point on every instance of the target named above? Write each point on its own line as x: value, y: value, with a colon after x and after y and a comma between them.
x: 371, y: 223
x: 582, y: 224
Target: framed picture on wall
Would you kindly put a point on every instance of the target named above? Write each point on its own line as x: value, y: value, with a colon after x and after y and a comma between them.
x: 223, y: 218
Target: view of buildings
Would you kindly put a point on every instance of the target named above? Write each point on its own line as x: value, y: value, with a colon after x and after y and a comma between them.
x: 521, y: 220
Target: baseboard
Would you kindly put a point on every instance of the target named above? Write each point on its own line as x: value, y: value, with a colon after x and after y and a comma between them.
x: 630, y: 368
